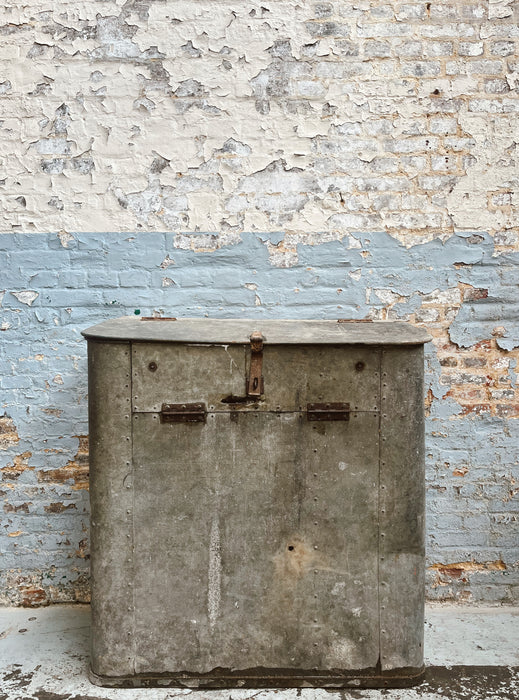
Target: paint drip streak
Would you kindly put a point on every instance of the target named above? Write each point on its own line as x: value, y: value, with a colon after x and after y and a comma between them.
x: 215, y: 574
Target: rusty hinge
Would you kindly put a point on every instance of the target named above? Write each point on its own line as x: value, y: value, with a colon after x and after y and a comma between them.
x: 328, y: 411
x: 183, y: 413
x: 255, y: 385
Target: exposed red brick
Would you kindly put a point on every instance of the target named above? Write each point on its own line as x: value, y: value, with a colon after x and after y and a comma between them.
x: 473, y: 293
x: 474, y: 361
x: 457, y: 569
x: 19, y: 465
x: 507, y: 410
x: 8, y: 433
x: 477, y: 409
x: 76, y: 469
x: 483, y: 345
x: 33, y: 597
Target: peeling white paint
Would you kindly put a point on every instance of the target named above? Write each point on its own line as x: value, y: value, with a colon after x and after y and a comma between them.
x: 26, y: 296
x: 237, y: 117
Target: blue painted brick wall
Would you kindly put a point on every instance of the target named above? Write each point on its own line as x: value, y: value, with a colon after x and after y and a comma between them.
x: 460, y: 290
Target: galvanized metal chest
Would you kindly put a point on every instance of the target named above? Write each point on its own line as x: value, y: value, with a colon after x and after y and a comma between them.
x: 257, y: 495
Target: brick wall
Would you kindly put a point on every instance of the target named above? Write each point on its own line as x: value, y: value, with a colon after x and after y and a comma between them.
x: 289, y: 159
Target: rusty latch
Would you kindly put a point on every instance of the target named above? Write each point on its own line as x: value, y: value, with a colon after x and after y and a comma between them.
x: 183, y: 413
x: 255, y: 386
x: 328, y: 411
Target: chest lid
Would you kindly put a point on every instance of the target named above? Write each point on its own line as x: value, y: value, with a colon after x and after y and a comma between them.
x: 273, y: 331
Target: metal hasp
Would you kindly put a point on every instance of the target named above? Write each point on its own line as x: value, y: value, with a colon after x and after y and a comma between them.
x: 255, y: 385
x: 183, y: 413
x: 248, y: 539
x: 328, y: 411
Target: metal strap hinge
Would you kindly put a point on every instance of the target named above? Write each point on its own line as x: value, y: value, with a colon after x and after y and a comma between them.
x: 183, y: 413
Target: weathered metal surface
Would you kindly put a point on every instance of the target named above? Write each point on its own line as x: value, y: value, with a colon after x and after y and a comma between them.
x: 216, y: 374
x: 402, y: 508
x: 274, y: 331
x: 111, y: 505
x: 268, y: 549
x: 186, y: 374
x: 246, y: 558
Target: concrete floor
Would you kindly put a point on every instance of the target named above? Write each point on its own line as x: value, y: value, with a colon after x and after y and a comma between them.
x: 472, y: 653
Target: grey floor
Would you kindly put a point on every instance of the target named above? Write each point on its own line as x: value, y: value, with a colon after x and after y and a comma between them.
x: 471, y: 652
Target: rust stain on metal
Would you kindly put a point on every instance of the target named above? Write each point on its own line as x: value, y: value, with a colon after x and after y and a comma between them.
x: 296, y: 559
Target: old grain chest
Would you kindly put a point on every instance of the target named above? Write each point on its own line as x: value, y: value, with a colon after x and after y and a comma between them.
x: 257, y: 493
